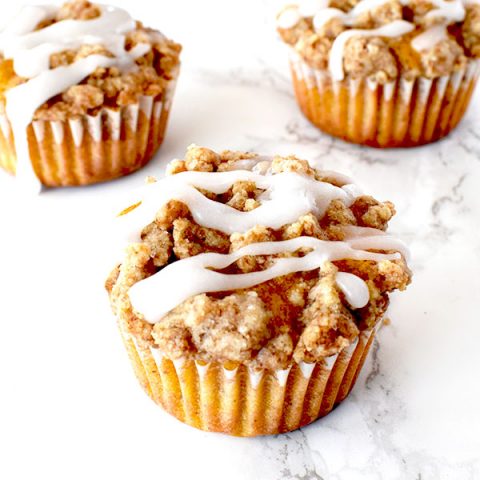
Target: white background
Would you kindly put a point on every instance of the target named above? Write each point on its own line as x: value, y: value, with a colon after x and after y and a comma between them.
x: 70, y: 407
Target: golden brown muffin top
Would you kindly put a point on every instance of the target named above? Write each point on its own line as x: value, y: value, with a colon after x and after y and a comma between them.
x: 111, y: 86
x: 393, y: 37
x: 300, y: 316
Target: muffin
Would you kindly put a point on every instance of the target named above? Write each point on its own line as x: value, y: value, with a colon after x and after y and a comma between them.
x: 250, y: 289
x: 383, y: 73
x: 85, y: 93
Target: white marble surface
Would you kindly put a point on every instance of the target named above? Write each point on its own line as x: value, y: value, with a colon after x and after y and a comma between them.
x: 69, y: 404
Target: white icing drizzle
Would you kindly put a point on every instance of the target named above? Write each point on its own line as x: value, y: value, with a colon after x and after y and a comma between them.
x: 451, y: 10
x: 288, y: 18
x: 396, y: 28
x: 380, y: 242
x: 246, y: 164
x: 353, y: 231
x: 28, y: 18
x: 286, y: 197
x: 322, y: 16
x: 429, y: 38
x: 171, y: 279
x: 30, y: 51
x: 356, y: 235
x: 354, y: 288
x: 337, y: 177
x: 260, y: 164
x: 322, y: 13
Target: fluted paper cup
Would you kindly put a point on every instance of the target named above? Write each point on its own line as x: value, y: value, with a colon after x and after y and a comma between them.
x: 238, y: 401
x: 90, y: 149
x: 401, y: 113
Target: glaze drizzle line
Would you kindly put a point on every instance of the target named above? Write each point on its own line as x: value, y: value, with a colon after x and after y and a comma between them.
x: 286, y: 197
x: 449, y: 11
x: 171, y: 279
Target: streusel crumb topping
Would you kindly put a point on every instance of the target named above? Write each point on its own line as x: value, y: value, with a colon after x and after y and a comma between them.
x: 105, y: 87
x: 383, y: 58
x: 302, y: 316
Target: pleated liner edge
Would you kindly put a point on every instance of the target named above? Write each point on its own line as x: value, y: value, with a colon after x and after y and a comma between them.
x: 402, y: 113
x: 242, y: 402
x: 92, y: 148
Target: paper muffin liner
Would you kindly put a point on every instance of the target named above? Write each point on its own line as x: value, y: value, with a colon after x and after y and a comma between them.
x: 401, y: 113
x: 90, y: 149
x: 239, y: 401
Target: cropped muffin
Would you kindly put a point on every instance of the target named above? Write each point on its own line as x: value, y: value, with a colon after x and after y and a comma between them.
x: 245, y: 307
x: 384, y: 73
x: 85, y: 93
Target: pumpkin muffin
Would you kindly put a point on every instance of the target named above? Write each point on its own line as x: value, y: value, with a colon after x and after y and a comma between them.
x: 85, y: 93
x: 245, y: 307
x: 384, y: 73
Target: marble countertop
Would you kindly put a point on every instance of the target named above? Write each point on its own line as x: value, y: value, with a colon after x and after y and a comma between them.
x: 69, y: 404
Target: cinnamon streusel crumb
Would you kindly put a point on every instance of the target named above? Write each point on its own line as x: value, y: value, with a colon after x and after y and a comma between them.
x: 383, y: 59
x: 301, y: 316
x: 77, y: 10
x: 471, y: 29
x: 107, y: 87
